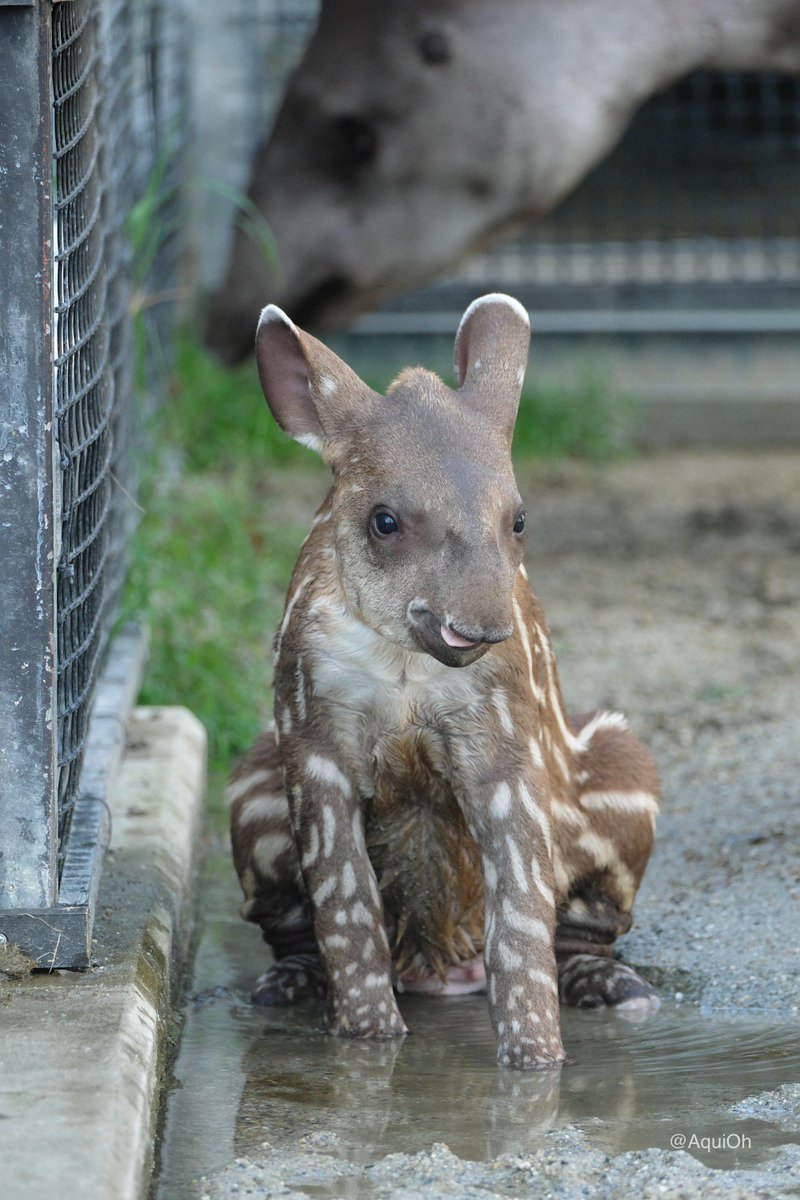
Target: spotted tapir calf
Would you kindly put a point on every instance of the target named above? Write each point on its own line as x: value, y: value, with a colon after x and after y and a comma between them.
x: 424, y: 813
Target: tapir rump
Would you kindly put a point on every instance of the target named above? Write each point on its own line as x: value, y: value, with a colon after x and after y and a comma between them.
x: 424, y: 814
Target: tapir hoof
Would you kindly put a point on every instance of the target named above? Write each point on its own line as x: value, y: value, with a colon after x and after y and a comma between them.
x: 290, y: 981
x: 595, y: 981
x: 380, y: 1021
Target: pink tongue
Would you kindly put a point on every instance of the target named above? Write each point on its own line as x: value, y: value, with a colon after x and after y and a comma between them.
x: 453, y: 639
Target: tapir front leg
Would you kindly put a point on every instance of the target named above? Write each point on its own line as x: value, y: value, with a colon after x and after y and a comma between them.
x: 510, y: 822
x: 343, y: 893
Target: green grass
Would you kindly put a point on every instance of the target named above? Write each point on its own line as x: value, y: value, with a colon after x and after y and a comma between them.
x: 226, y: 501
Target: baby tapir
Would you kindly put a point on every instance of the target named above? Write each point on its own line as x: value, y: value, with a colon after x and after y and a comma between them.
x: 424, y: 813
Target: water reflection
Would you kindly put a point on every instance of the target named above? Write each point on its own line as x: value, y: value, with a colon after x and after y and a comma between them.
x: 629, y: 1085
x: 246, y: 1075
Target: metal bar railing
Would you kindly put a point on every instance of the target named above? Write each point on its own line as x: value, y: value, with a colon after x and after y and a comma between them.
x: 29, y: 525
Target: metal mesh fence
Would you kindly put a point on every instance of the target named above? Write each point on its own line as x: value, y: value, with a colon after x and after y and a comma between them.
x: 701, y: 190
x: 84, y: 383
x: 116, y: 82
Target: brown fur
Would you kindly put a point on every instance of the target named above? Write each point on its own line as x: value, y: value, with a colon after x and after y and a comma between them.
x: 424, y: 798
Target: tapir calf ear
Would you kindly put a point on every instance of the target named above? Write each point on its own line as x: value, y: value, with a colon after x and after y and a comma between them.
x: 491, y: 354
x: 311, y: 393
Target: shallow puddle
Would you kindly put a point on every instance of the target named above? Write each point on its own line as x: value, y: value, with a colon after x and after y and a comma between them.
x: 245, y: 1075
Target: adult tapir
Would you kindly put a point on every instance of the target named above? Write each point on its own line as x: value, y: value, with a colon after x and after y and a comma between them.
x: 415, y: 131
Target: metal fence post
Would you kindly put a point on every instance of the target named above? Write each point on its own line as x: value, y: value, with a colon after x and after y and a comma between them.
x: 28, y: 520
x: 87, y: 106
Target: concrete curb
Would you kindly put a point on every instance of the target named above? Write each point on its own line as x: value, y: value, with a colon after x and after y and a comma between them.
x: 81, y: 1055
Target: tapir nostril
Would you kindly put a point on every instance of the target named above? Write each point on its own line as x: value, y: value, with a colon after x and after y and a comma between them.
x: 492, y: 636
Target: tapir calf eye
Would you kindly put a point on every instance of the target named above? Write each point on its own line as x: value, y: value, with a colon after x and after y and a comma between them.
x: 383, y: 523
x: 519, y: 524
x: 356, y: 140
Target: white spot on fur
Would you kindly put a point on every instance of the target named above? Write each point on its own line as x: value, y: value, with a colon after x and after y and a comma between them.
x: 601, y: 720
x: 570, y: 740
x: 341, y: 917
x: 604, y: 853
x: 508, y: 957
x: 517, y: 869
x: 272, y: 314
x: 561, y: 763
x: 500, y: 805
x: 560, y: 877
x: 358, y: 834
x: 240, y: 787
x: 516, y: 996
x: 567, y: 814
x: 328, y: 830
x: 301, y: 587
x: 489, y: 875
x: 311, y: 441
x: 537, y: 975
x: 522, y: 923
x: 348, y: 880
x: 263, y: 807
x: 374, y: 980
x: 500, y: 702
x: 328, y: 387
x: 496, y: 298
x: 312, y: 850
x: 325, y: 890
x: 536, y: 752
x: 300, y: 691
x: 538, y: 694
x: 535, y: 812
x: 601, y: 849
x: 538, y: 882
x: 325, y: 770
x: 361, y: 915
x: 267, y: 849
x: 629, y: 802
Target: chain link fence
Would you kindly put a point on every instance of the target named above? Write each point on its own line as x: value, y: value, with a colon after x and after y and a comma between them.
x: 696, y: 207
x: 93, y: 141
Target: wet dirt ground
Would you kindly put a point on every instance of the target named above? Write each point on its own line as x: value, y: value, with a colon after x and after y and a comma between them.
x: 672, y: 585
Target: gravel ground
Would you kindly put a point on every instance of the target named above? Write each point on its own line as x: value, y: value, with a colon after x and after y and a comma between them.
x: 567, y: 1168
x: 672, y: 586
x: 781, y: 1107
